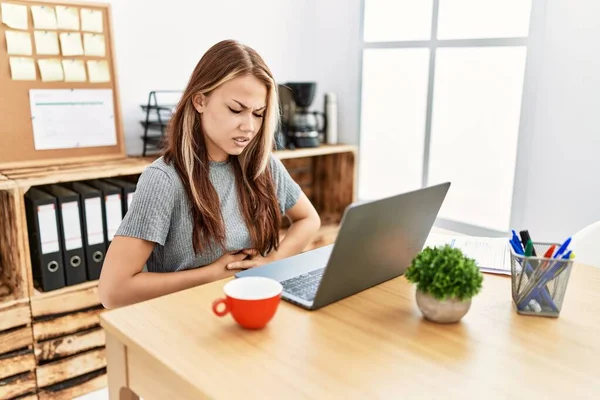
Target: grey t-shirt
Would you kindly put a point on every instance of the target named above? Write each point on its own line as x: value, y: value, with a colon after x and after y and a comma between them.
x: 160, y: 212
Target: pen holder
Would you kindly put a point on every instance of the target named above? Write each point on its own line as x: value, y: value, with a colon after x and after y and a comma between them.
x: 539, y: 284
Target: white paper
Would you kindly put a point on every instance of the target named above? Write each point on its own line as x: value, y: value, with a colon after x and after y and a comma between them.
x: 46, y: 43
x: 72, y: 118
x: 43, y: 17
x: 67, y: 18
x: 71, y: 225
x: 22, y: 69
x: 51, y: 70
x: 70, y: 43
x: 114, y: 214
x: 490, y: 254
x: 93, y: 221
x: 14, y: 15
x: 18, y: 43
x: 91, y: 20
x: 98, y: 71
x: 48, y: 228
x: 74, y: 70
x: 94, y: 45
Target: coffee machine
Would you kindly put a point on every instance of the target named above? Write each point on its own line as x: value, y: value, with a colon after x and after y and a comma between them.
x: 303, y: 128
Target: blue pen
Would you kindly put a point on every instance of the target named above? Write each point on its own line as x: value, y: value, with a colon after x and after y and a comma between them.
x: 516, y: 247
x: 517, y: 242
x: 562, y: 248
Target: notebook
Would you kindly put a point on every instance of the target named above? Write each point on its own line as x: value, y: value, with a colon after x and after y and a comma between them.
x: 491, y: 254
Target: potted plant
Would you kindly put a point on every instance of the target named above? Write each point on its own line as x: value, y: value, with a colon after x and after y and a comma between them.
x: 446, y: 281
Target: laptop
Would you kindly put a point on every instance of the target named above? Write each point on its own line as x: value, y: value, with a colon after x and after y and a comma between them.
x: 377, y: 241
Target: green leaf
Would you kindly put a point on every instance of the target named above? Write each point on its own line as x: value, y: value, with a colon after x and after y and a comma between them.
x: 445, y: 273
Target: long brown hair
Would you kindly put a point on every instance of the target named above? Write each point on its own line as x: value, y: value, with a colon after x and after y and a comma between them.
x: 186, y: 149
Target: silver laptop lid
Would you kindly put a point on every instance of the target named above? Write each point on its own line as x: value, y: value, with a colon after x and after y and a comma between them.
x: 378, y: 240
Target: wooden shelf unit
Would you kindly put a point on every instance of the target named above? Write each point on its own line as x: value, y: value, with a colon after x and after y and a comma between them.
x: 17, y: 360
x: 65, y: 346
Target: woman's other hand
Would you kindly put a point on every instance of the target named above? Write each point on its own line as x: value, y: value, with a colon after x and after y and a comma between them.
x: 221, y: 265
x: 254, y: 260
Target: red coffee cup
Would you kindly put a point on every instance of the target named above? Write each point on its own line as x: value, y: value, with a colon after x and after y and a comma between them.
x: 252, y: 301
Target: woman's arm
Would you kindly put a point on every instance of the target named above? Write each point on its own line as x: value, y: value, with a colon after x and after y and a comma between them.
x: 305, y: 224
x: 122, y: 281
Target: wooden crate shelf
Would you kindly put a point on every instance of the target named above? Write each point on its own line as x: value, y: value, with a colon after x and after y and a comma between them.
x: 65, y: 300
x: 68, y: 342
x: 34, y: 176
x: 63, y: 325
x: 21, y: 386
x: 14, y: 273
x: 17, y: 358
x: 322, y: 150
x: 71, y: 388
x: 51, y: 343
x: 71, y: 367
x: 52, y: 349
x: 28, y: 177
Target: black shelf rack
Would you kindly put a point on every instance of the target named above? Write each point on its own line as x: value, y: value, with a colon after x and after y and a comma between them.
x: 157, y: 117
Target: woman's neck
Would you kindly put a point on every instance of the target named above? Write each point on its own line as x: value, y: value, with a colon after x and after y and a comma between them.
x: 214, y: 152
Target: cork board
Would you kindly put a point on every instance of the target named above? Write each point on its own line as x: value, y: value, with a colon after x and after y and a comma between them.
x: 17, y: 147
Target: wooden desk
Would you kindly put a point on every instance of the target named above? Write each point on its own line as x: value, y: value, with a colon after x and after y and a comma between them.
x: 372, y: 345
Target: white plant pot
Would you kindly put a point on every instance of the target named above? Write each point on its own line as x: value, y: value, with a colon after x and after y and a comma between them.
x: 445, y: 312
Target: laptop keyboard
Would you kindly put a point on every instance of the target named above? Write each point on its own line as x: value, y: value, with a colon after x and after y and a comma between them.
x: 304, y: 286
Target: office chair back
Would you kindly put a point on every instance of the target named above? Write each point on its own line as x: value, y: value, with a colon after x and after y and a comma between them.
x: 586, y: 245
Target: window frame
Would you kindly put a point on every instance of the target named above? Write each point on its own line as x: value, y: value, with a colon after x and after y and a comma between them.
x: 535, y: 35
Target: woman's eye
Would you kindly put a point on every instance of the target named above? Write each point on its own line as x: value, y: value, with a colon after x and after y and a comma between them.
x: 235, y: 111
x: 259, y: 115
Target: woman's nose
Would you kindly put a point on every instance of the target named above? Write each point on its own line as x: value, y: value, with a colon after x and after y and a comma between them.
x: 247, y: 124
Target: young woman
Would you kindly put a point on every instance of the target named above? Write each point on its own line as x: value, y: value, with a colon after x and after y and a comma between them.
x: 213, y: 203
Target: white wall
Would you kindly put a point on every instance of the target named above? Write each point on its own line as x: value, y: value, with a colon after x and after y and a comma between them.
x: 559, y: 157
x: 337, y: 54
x: 159, y: 43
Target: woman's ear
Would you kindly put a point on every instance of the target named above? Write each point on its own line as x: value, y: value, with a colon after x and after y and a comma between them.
x: 199, y: 101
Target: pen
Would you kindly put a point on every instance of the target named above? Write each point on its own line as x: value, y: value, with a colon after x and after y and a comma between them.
x: 515, y: 247
x: 528, y: 253
x: 526, y: 238
x: 548, y: 254
x: 516, y: 240
x: 529, y: 249
x: 562, y: 248
x: 550, y: 251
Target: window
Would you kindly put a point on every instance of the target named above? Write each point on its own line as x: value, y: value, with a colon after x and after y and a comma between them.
x: 442, y: 82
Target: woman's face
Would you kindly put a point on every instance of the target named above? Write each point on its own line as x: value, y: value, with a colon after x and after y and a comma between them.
x: 232, y: 115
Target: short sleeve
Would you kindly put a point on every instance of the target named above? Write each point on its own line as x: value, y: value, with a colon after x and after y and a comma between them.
x: 288, y: 191
x: 149, y: 215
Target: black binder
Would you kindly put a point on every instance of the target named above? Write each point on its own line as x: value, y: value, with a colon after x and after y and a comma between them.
x: 93, y: 227
x: 111, y: 204
x: 44, y: 243
x: 127, y: 190
x: 71, y: 233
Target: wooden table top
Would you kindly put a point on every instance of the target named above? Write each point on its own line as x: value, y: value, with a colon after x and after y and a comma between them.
x: 376, y: 344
